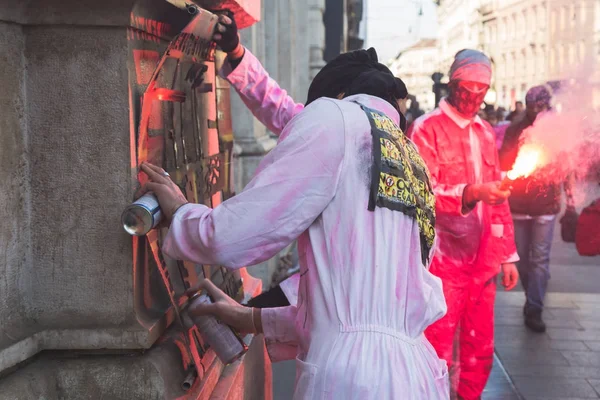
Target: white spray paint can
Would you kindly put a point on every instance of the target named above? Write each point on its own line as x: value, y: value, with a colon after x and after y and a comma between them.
x: 142, y: 215
x: 228, y: 346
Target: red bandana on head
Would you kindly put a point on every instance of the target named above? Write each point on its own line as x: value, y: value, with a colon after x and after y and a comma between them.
x: 470, y: 77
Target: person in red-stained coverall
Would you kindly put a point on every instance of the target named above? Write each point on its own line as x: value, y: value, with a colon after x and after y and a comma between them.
x: 473, y: 223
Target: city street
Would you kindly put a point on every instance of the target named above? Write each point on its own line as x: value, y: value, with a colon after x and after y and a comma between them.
x: 564, y: 362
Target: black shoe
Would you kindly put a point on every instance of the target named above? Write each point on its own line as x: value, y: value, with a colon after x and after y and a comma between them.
x: 533, y: 320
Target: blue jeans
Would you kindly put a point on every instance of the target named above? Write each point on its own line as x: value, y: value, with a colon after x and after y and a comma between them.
x: 534, y: 241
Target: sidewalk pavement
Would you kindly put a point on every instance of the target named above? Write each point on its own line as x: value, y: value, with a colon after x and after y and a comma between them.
x: 564, y: 362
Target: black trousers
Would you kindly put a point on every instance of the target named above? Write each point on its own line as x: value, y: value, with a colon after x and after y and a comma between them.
x: 271, y: 298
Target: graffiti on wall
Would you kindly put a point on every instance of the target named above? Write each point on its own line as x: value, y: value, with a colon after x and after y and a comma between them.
x: 180, y: 120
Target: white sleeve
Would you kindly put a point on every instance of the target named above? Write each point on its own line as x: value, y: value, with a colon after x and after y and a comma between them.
x: 279, y: 328
x: 267, y: 101
x: 292, y: 186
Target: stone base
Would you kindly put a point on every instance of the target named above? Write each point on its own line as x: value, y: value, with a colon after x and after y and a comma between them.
x: 157, y: 374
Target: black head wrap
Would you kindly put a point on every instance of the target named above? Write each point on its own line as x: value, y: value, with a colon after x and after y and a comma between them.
x: 357, y: 72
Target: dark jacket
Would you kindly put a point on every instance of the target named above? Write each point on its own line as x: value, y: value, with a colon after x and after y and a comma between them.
x: 530, y: 195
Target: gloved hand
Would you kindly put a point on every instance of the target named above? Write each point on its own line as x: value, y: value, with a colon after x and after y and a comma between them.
x: 226, y: 36
x: 489, y: 193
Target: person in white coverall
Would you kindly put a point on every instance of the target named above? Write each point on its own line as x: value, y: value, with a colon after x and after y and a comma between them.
x: 267, y: 101
x: 346, y: 183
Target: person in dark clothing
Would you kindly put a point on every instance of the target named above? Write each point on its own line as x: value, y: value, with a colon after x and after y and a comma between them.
x: 517, y: 112
x: 534, y: 204
x: 414, y: 111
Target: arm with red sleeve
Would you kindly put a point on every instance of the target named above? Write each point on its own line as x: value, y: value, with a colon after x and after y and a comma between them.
x: 449, y: 197
x: 502, y: 225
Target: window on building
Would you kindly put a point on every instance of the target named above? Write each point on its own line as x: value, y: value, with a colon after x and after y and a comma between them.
x: 552, y: 60
x: 540, y: 67
x: 596, y: 99
x: 571, y: 50
x: 581, y: 54
x: 512, y: 65
x: 554, y: 22
x: 583, y: 12
x: 531, y: 59
x: 597, y: 16
x: 563, y: 18
x: 503, y: 28
x: 542, y: 16
x: 513, y: 26
x: 534, y: 18
x: 561, y: 58
x: 522, y: 64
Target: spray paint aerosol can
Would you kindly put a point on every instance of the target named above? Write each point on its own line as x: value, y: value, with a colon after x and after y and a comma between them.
x: 228, y: 346
x: 142, y: 215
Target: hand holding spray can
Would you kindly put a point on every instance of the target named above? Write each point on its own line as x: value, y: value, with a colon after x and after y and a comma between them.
x: 228, y: 346
x: 142, y: 215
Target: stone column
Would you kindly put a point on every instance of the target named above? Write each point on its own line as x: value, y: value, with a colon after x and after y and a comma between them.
x: 285, y: 51
x: 251, y: 138
x: 273, y: 33
x: 302, y: 52
x: 67, y: 284
x: 316, y: 32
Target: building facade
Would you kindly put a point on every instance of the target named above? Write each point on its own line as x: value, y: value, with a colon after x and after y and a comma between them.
x: 415, y: 66
x: 529, y: 41
x: 459, y: 28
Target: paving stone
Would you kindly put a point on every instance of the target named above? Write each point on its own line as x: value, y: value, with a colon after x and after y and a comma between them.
x: 562, y: 323
x: 516, y: 368
x: 556, y: 388
x: 567, y: 345
x: 550, y: 322
x: 554, y: 398
x: 517, y: 312
x: 559, y: 302
x: 499, y: 386
x: 577, y: 314
x: 594, y: 346
x: 512, y: 299
x: 284, y: 374
x: 520, y: 341
x: 588, y: 305
x: 531, y: 357
x: 544, y: 343
x: 595, y: 384
x: 583, y: 358
x: 517, y: 320
x: 585, y: 280
x: 576, y: 297
x: 589, y: 324
x: 500, y: 396
x: 574, y: 334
